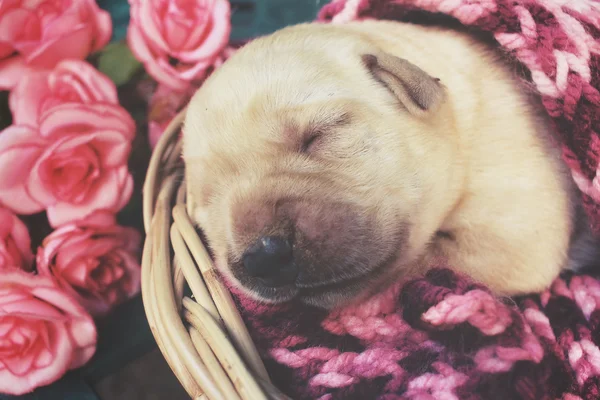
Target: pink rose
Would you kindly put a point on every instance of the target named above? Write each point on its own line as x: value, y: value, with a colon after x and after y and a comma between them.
x: 95, y: 260
x: 178, y: 41
x: 15, y: 244
x: 37, y: 34
x: 43, y: 332
x: 73, y: 164
x: 71, y: 81
x: 70, y: 140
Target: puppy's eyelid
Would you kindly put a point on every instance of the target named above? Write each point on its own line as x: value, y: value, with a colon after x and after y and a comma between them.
x: 314, y: 135
x: 310, y: 141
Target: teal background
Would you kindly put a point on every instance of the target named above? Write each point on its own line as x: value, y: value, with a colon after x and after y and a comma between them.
x: 125, y: 335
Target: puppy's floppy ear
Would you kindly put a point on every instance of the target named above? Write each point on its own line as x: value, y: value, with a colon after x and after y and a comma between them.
x: 417, y: 91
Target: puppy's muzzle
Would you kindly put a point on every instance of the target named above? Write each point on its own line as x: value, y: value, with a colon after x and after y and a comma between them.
x: 271, y: 260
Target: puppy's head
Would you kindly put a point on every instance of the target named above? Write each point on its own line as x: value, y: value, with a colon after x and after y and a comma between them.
x: 302, y: 159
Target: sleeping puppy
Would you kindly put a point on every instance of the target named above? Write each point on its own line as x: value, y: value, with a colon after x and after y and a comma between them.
x: 325, y: 161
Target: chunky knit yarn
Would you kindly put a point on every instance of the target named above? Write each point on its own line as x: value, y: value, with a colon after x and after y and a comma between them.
x: 443, y: 337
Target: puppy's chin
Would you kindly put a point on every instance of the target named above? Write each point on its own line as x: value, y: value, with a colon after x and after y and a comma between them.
x: 342, y: 295
x: 272, y: 295
x: 327, y: 297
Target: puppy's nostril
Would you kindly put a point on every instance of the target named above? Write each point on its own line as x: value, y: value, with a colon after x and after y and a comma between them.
x: 271, y: 260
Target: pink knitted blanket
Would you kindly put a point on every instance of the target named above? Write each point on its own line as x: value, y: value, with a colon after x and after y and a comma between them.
x: 443, y: 337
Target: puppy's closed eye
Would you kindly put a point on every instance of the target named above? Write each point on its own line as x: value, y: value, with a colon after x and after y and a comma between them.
x: 311, y: 142
x: 320, y: 132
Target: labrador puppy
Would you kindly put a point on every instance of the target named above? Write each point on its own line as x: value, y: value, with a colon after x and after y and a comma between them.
x: 325, y: 161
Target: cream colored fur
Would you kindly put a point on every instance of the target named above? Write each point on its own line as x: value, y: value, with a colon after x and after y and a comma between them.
x: 480, y: 167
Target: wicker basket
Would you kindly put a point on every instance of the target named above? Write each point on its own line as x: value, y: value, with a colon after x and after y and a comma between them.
x: 203, y: 338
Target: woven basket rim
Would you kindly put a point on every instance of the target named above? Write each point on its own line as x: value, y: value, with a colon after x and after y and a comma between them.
x: 203, y: 337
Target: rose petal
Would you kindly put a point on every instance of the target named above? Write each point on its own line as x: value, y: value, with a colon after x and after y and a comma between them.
x: 77, y: 247
x: 16, y: 136
x: 198, y: 33
x: 11, y: 71
x: 103, y: 90
x: 6, y: 325
x: 76, y: 44
x: 134, y: 274
x: 20, y: 201
x: 11, y: 23
x: 82, y: 355
x: 98, y: 220
x: 217, y: 38
x: 9, y: 279
x: 137, y: 44
x: 78, y: 118
x: 19, y: 145
x: 24, y: 156
x: 145, y: 13
x: 11, y: 295
x: 58, y: 298
x: 19, y: 364
x: 55, y: 25
x: 30, y: 307
x: 6, y: 50
x: 176, y: 32
x: 83, y: 332
x: 20, y: 236
x: 103, y: 24
x: 24, y: 99
x: 43, y: 359
x: 112, y: 192
x: 110, y: 147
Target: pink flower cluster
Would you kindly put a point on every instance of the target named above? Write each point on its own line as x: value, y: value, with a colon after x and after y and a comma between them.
x: 66, y: 154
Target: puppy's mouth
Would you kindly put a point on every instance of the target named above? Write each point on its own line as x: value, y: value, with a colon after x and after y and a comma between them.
x: 325, y: 294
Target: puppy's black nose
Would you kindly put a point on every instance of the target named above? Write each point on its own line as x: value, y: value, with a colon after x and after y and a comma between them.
x: 271, y: 260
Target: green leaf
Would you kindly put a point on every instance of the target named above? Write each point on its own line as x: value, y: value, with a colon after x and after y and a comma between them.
x: 118, y: 63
